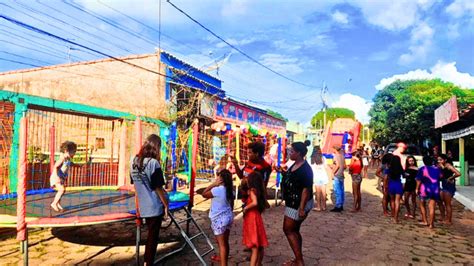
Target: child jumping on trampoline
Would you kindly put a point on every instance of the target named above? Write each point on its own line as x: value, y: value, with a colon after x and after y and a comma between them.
x: 61, y: 171
x: 221, y: 215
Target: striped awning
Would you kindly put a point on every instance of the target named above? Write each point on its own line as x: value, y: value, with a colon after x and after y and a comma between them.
x: 458, y: 134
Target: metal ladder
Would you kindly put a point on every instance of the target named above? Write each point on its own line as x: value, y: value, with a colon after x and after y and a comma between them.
x: 188, y: 240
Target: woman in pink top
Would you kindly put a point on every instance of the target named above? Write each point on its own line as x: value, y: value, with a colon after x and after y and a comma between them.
x: 355, y: 168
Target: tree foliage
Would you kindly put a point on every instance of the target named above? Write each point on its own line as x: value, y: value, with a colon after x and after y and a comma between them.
x: 276, y: 115
x: 331, y: 115
x: 404, y: 110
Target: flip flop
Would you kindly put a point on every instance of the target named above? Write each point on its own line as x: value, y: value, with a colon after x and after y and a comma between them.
x: 215, y: 258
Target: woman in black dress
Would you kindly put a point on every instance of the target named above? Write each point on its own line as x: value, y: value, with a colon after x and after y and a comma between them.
x: 410, y: 186
x: 297, y: 186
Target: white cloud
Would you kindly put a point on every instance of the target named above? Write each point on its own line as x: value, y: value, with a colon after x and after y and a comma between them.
x: 284, y: 45
x: 322, y: 43
x: 449, y: 72
x: 282, y: 64
x: 340, y: 17
x: 235, y: 8
x: 421, y: 41
x: 236, y: 42
x: 393, y: 15
x: 444, y: 71
x: 459, y: 8
x: 359, y: 105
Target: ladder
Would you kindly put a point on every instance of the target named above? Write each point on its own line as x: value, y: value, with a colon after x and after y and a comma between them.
x: 188, y: 240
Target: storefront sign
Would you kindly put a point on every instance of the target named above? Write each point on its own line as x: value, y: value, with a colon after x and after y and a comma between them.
x: 447, y: 113
x: 234, y: 113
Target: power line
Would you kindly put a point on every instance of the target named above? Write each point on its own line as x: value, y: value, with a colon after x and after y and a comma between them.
x: 18, y: 62
x: 28, y: 58
x: 237, y: 49
x: 73, y: 26
x: 52, y: 25
x: 282, y: 101
x: 150, y: 28
x: 58, y: 69
x: 36, y: 50
x: 35, y: 43
x: 29, y: 27
x: 85, y: 23
x: 109, y: 22
x: 160, y: 32
x: 40, y: 31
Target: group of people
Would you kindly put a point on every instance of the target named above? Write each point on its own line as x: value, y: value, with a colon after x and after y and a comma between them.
x: 297, y: 187
x: 303, y: 189
x: 432, y: 184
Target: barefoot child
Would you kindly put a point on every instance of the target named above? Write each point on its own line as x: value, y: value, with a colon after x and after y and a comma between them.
x: 221, y: 214
x: 410, y: 186
x: 448, y: 186
x: 382, y: 173
x: 60, y: 172
x: 355, y: 169
x: 427, y: 188
x: 254, y: 235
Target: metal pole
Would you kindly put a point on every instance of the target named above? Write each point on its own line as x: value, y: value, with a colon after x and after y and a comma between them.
x: 24, y: 248
x: 324, y: 121
x: 137, y: 247
x: 462, y: 165
x: 278, y: 178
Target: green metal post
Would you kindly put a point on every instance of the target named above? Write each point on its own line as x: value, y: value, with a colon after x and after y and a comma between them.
x: 462, y: 165
x: 190, y: 156
x: 20, y: 108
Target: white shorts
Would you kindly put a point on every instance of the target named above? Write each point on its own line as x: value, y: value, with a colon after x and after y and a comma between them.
x: 293, y: 213
x: 320, y: 180
x: 222, y: 222
x: 365, y: 161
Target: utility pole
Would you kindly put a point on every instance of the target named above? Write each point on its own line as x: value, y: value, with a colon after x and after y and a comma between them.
x: 324, y: 91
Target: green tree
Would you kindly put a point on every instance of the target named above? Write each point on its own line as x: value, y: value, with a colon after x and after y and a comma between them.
x: 404, y: 110
x: 276, y: 115
x: 331, y: 115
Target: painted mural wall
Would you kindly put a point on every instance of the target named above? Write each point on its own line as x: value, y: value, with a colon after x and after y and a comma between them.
x: 235, y: 113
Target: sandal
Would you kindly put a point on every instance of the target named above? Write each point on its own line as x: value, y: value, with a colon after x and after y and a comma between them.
x: 290, y: 262
x: 215, y: 258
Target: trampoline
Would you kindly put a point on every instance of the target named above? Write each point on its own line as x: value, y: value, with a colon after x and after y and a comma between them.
x: 95, y: 190
x: 82, y: 206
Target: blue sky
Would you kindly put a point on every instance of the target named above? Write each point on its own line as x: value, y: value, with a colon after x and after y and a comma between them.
x: 354, y: 47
